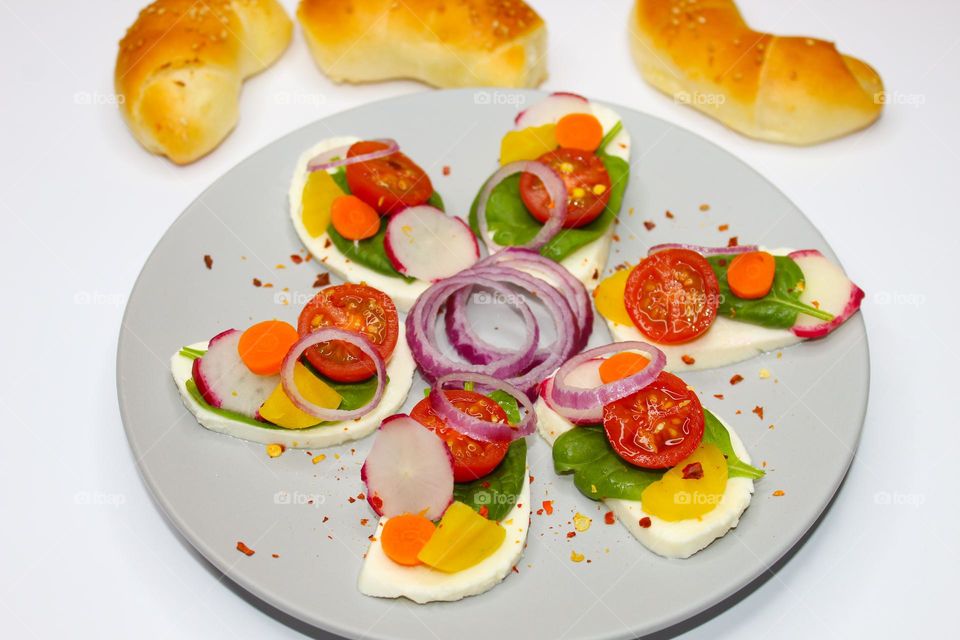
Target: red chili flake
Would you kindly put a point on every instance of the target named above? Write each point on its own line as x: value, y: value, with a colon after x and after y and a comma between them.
x: 244, y: 549
x: 207, y: 260
x: 360, y: 496
x: 364, y: 521
x: 327, y: 243
x: 531, y: 479
x: 669, y: 214
x: 446, y: 169
x: 718, y: 396
x: 485, y: 484
x: 257, y: 283
x: 736, y: 379
x: 649, y: 225
x: 484, y: 511
x: 616, y: 237
x: 693, y: 471
x: 779, y: 492
x: 351, y: 499
x: 687, y: 359
x: 596, y: 274
x: 295, y: 259
x: 371, y: 538
x: 548, y: 507
x: 733, y: 241
x: 267, y: 285
x: 539, y: 512
x: 515, y: 570
x: 704, y: 207
x: 376, y: 502
x: 645, y: 522
x: 759, y: 411
x: 326, y: 518
x: 274, y: 555
x: 323, y: 279
x: 609, y: 518
x: 723, y: 227
x: 571, y: 534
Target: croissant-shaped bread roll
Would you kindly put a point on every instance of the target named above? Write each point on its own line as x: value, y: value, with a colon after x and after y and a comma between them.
x: 784, y: 89
x: 446, y: 43
x: 181, y: 66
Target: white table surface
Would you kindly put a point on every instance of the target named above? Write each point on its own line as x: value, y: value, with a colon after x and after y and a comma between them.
x: 83, y: 549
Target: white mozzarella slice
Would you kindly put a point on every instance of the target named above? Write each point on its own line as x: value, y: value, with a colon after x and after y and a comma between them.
x: 382, y: 577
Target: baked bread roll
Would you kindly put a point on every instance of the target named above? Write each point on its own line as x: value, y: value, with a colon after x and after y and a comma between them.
x: 181, y: 66
x: 784, y: 89
x: 446, y: 43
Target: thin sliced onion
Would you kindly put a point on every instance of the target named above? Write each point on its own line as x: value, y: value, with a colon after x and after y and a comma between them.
x: 333, y: 158
x: 585, y: 404
x: 326, y: 334
x: 475, y: 427
x: 555, y: 189
x: 704, y: 251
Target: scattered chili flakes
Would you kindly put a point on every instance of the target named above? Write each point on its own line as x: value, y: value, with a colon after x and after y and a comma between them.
x: 764, y: 464
x: 608, y: 518
x: 736, y: 379
x: 759, y: 411
x: 515, y: 570
x: 571, y: 534
x: 244, y: 549
x: 616, y: 237
x: 539, y: 512
x: 275, y: 450
x: 548, y: 507
x: 718, y: 396
x: 693, y: 471
x: 669, y: 214
x: 267, y: 285
x: 596, y: 274
x: 446, y: 169
x: 295, y: 259
x: 649, y: 225
x: 576, y: 557
x: 704, y: 207
x: 318, y: 458
x: 351, y: 499
x: 733, y: 241
x: 723, y: 227
x: 360, y: 496
x: 645, y: 522
x: 581, y: 522
x: 208, y: 261
x: 779, y: 492
x: 274, y: 555
x: 485, y: 484
x: 764, y: 374
x: 280, y: 266
x: 323, y: 279
x: 688, y: 360
x: 364, y: 521
x: 483, y: 511
x: 257, y: 282
x: 325, y: 518
x: 327, y: 243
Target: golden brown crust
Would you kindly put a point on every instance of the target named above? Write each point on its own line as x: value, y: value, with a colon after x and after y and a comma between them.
x: 441, y: 42
x: 785, y: 89
x: 181, y: 64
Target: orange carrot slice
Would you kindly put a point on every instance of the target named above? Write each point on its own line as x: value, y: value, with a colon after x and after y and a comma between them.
x: 579, y: 131
x: 750, y: 275
x: 404, y: 536
x: 622, y: 365
x: 263, y: 346
x: 353, y: 218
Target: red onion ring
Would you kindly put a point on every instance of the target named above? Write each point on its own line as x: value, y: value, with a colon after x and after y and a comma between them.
x: 704, y: 251
x: 555, y: 189
x: 325, y: 159
x: 587, y: 404
x: 325, y: 334
x: 474, y: 427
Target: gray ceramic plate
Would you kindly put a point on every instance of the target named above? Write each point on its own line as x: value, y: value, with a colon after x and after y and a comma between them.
x: 218, y: 490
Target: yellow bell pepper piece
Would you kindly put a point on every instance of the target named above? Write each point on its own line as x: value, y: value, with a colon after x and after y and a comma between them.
x: 317, y: 200
x: 608, y: 296
x: 528, y: 144
x: 463, y: 539
x: 675, y: 497
x: 281, y: 411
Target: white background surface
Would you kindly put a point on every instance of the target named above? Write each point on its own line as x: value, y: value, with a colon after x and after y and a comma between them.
x: 84, y: 551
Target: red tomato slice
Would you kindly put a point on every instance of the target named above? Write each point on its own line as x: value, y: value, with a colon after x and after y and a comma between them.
x: 672, y: 296
x: 472, y: 459
x: 658, y: 426
x: 387, y: 184
x: 354, y: 307
x: 587, y: 182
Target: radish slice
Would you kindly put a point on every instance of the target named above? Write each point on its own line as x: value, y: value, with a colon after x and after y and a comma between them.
x: 551, y: 109
x: 425, y: 243
x: 408, y: 470
x: 224, y: 381
x: 827, y: 287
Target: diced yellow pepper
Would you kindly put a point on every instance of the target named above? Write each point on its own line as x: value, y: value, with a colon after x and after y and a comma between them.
x: 608, y: 297
x: 528, y: 144
x: 463, y: 539
x: 675, y: 497
x: 281, y: 411
x: 316, y: 201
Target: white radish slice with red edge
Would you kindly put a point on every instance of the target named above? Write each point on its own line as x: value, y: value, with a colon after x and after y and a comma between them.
x: 224, y: 381
x: 828, y: 288
x: 408, y: 470
x: 586, y: 376
x: 425, y: 243
x: 551, y: 109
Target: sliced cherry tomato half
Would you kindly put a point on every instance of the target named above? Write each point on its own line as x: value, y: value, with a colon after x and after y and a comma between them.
x: 672, y: 296
x: 587, y: 182
x: 387, y: 184
x: 658, y: 426
x: 472, y: 459
x: 354, y: 307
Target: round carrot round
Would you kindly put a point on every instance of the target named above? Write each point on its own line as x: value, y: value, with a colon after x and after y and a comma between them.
x: 353, y: 218
x: 579, y: 131
x: 622, y: 365
x: 404, y: 536
x: 263, y: 346
x: 750, y: 275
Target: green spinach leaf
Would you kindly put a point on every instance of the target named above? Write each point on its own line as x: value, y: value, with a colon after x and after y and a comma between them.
x: 499, y: 490
x: 715, y: 433
x: 509, y: 405
x: 225, y: 413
